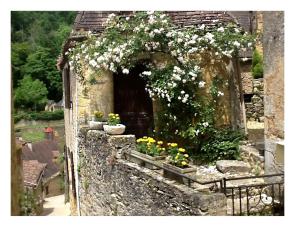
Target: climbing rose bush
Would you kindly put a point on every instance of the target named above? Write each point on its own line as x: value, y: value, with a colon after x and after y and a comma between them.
x: 185, y: 113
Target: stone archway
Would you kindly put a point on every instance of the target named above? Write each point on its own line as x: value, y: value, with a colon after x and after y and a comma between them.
x: 132, y: 102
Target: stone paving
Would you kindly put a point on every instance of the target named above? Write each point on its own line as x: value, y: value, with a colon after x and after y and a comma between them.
x: 55, y: 206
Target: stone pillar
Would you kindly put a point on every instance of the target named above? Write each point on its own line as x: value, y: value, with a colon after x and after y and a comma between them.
x: 273, y: 44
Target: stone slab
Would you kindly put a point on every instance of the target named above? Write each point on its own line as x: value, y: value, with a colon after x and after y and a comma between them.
x: 232, y: 166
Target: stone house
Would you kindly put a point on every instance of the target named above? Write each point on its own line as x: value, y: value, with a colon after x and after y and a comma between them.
x: 46, y: 152
x: 114, y: 92
x: 53, y: 106
x: 33, y: 187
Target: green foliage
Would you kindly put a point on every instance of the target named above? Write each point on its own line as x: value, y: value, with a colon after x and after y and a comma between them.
x: 37, y: 39
x: 31, y: 94
x: 222, y: 144
x: 28, y: 203
x: 41, y: 65
x: 257, y: 65
x: 44, y: 115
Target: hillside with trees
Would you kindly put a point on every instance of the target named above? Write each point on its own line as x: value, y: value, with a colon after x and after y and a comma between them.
x: 37, y: 39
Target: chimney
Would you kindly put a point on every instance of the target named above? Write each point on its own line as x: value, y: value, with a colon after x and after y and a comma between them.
x: 29, y: 144
x: 49, y: 133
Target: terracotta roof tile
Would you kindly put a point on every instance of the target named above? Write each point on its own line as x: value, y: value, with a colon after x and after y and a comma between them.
x: 95, y: 20
x: 43, y: 152
x: 32, y: 171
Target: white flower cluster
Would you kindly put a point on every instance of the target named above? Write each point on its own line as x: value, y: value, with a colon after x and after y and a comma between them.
x: 220, y: 93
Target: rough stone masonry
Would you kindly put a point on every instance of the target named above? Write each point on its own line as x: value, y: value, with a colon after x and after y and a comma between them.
x: 112, y: 186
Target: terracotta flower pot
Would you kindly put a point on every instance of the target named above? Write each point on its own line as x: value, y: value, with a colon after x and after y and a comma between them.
x: 117, y: 129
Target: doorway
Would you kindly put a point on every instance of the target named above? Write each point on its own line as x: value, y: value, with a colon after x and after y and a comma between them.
x: 133, y: 103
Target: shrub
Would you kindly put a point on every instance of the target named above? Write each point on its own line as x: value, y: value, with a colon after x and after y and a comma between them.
x: 44, y: 115
x: 224, y: 144
x: 257, y: 65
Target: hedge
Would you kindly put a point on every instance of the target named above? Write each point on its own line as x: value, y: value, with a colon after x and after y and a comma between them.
x: 43, y: 115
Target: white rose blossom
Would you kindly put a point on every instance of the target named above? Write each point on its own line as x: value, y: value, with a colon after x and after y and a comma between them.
x: 125, y: 71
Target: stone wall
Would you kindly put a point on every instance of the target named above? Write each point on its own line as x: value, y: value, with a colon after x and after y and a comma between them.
x: 111, y: 185
x: 273, y: 45
x: 251, y: 155
x: 255, y: 108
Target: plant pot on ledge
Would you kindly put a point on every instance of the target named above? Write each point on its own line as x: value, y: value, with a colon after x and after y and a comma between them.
x: 114, y: 129
x: 174, y: 172
x: 96, y: 125
x: 141, y: 159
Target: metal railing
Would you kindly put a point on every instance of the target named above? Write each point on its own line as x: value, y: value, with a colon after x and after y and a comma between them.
x: 266, y: 198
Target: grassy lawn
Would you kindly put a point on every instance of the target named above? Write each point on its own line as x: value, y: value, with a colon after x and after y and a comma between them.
x: 35, y: 132
x: 33, y: 135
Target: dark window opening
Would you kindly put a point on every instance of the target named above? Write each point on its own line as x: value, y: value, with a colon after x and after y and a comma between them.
x: 248, y: 97
x: 67, y: 87
x: 132, y: 102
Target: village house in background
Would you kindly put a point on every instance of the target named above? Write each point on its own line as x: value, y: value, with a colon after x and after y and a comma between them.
x: 53, y: 106
x: 33, y: 187
x: 41, y: 169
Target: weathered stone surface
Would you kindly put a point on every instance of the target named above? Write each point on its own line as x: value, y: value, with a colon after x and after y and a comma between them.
x: 273, y: 44
x: 251, y: 155
x: 255, y: 108
x: 233, y: 166
x: 109, y: 185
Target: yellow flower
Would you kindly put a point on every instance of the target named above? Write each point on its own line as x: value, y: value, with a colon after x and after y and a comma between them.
x: 174, y: 144
x: 181, y: 149
x: 184, y: 163
x: 186, y: 155
x: 151, y: 140
x: 139, y: 140
x: 164, y: 149
x: 169, y: 144
x: 145, y: 137
x: 177, y: 156
x: 160, y: 142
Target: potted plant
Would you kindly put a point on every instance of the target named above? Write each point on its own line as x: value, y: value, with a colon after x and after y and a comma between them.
x: 97, y: 122
x: 177, y: 163
x: 114, y: 126
x: 148, y: 149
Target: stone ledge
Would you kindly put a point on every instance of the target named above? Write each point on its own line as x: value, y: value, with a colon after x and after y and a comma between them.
x: 233, y: 166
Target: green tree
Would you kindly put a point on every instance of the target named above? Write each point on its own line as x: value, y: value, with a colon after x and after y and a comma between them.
x: 19, y: 54
x: 42, y: 66
x: 37, y: 39
x: 31, y: 94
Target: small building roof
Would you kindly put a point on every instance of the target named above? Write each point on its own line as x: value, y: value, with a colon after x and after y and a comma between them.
x: 32, y: 172
x: 44, y: 152
x: 95, y: 21
x: 48, y: 130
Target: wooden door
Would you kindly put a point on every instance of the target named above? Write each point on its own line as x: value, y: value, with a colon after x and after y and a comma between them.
x: 133, y: 103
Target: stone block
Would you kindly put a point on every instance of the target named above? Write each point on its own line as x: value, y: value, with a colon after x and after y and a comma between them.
x: 233, y: 166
